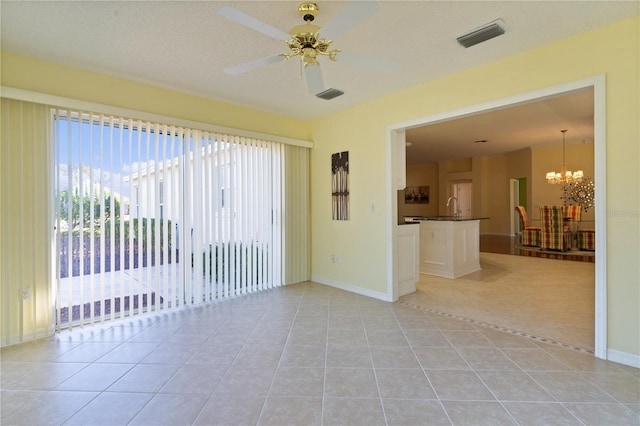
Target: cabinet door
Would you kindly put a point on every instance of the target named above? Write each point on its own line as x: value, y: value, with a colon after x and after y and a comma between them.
x: 408, y: 258
x: 433, y: 243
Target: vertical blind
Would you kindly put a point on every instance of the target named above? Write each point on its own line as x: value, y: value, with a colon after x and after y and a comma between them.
x: 296, y: 214
x: 26, y: 308
x: 152, y: 216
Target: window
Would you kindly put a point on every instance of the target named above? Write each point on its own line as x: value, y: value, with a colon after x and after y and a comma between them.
x: 112, y: 264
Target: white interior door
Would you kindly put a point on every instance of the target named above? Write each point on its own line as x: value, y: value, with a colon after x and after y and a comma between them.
x: 464, y: 194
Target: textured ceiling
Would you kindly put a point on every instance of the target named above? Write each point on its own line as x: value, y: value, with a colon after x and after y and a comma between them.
x: 186, y: 45
x: 535, y: 124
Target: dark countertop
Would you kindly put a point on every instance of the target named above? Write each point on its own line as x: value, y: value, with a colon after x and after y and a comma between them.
x: 441, y: 218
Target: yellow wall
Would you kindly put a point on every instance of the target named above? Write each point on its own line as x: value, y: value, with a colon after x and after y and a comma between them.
x: 54, y: 79
x: 495, y: 195
x: 520, y: 167
x: 362, y: 242
x: 359, y: 241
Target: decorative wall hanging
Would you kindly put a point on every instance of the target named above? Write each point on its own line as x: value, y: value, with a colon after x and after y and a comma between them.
x: 340, y: 185
x: 416, y: 195
x: 580, y: 194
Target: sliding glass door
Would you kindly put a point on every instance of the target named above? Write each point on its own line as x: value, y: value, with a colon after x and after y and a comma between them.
x: 152, y: 217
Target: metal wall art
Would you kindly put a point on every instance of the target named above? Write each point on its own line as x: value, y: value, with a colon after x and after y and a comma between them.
x: 580, y: 194
x: 340, y: 185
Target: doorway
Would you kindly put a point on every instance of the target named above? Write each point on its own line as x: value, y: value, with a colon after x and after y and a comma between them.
x: 597, y: 84
x: 462, y: 191
x: 518, y: 197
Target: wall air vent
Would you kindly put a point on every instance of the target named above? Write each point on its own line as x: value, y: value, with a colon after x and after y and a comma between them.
x: 330, y: 94
x: 484, y: 33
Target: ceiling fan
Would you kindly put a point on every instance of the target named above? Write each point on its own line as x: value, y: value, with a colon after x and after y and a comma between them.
x: 310, y: 42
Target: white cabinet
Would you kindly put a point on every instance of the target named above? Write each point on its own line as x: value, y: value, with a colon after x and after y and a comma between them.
x: 449, y: 248
x: 408, y: 246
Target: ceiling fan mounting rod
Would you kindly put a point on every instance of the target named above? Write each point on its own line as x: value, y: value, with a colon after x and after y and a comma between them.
x: 308, y: 10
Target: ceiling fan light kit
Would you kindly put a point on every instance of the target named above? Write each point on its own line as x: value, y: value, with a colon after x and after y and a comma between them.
x: 305, y: 40
x: 308, y: 45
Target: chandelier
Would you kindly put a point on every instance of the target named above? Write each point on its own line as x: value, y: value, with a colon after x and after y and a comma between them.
x: 565, y: 176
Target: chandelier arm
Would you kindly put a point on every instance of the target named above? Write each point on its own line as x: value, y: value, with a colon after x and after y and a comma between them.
x: 331, y: 53
x: 293, y: 43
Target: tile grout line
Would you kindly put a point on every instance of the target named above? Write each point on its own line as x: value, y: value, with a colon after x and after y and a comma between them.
x: 373, y: 367
x: 326, y: 363
x: 475, y: 373
x: 435, y: 392
x: 500, y: 328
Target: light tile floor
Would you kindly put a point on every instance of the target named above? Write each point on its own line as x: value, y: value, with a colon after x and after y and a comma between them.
x: 547, y: 298
x: 308, y: 354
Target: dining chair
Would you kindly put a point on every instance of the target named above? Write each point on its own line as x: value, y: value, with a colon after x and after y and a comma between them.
x: 572, y: 213
x: 572, y: 216
x: 553, y: 235
x: 587, y: 239
x: 529, y: 235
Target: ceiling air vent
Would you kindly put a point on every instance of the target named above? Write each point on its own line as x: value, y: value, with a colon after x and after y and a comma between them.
x: 330, y: 94
x: 484, y: 33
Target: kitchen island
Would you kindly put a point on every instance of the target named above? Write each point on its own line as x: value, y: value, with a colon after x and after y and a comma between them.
x: 449, y: 245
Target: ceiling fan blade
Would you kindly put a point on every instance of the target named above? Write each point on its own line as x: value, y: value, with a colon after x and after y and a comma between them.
x: 250, y: 66
x: 351, y: 16
x: 253, y: 23
x: 313, y: 75
x: 376, y: 64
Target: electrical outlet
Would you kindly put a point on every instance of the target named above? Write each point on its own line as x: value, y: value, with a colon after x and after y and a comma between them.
x: 337, y: 259
x: 26, y: 294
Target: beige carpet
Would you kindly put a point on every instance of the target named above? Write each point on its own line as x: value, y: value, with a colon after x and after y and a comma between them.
x: 544, y: 298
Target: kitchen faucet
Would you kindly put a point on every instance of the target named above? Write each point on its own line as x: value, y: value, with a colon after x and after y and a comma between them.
x: 457, y: 212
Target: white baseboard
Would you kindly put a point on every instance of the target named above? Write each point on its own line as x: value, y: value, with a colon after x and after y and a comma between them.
x: 39, y: 333
x: 623, y: 358
x: 351, y: 288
